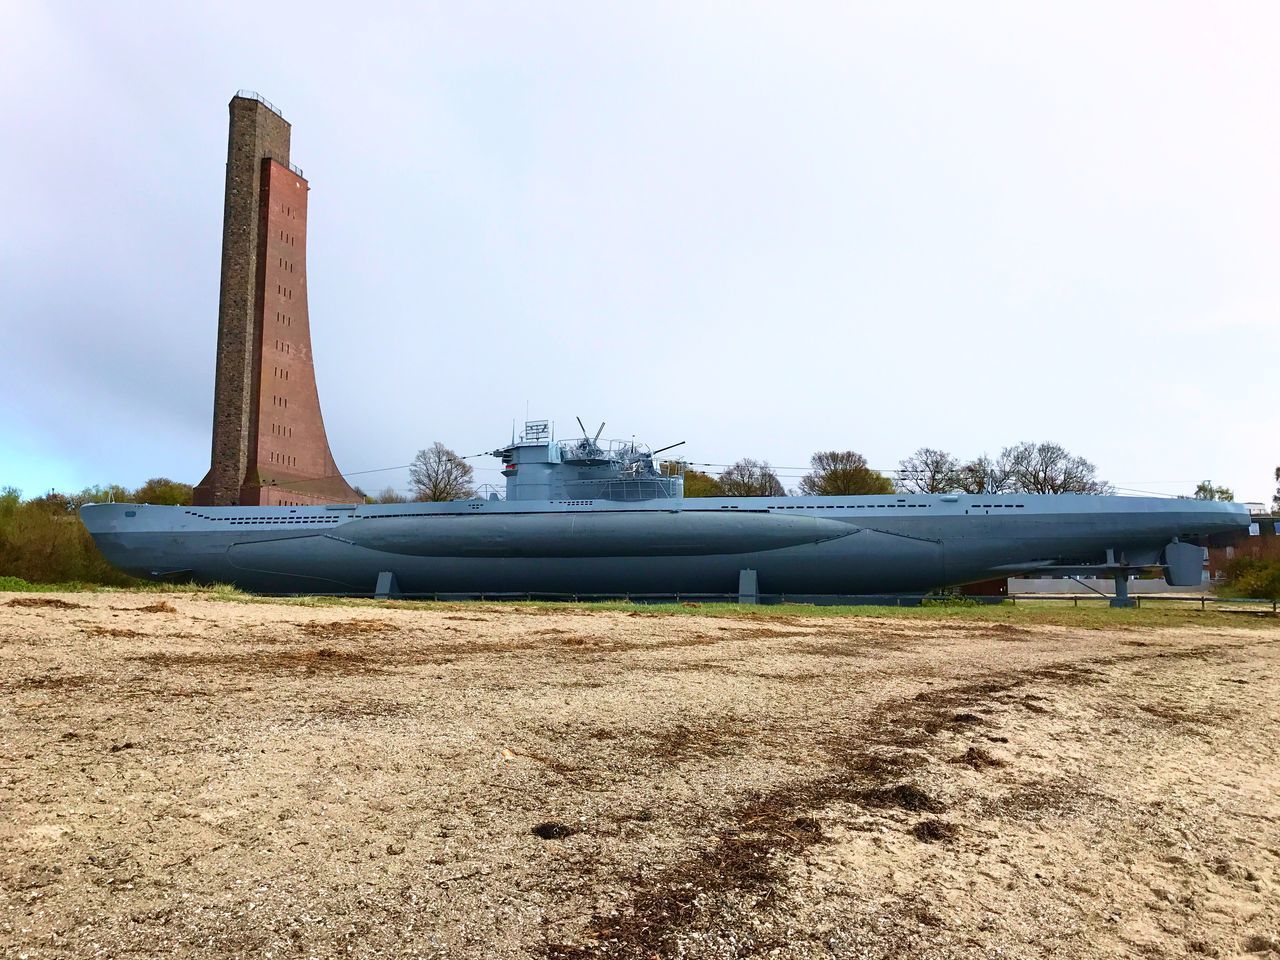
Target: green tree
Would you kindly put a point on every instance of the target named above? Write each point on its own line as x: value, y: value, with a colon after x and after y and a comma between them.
x: 10, y: 501
x: 699, y: 484
x: 165, y: 492
x: 842, y: 473
x: 111, y: 493
x: 1205, y: 490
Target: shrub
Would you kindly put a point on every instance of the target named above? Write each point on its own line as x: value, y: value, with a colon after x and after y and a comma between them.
x: 950, y: 600
x: 40, y: 545
x: 43, y: 541
x: 1257, y: 577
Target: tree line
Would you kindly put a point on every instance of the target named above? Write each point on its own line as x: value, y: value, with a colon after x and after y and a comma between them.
x: 1022, y: 468
x: 439, y: 474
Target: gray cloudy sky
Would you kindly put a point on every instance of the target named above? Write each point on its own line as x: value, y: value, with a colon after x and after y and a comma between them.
x: 766, y: 229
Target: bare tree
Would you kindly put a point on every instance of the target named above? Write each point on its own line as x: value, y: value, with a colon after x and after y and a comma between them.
x: 1275, y: 501
x: 1049, y: 468
x: 389, y: 495
x: 984, y: 475
x: 842, y: 473
x: 929, y: 471
x: 751, y: 478
x: 1205, y: 490
x: 438, y: 473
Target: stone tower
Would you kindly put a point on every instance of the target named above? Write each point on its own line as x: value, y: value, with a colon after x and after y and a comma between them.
x: 269, y: 444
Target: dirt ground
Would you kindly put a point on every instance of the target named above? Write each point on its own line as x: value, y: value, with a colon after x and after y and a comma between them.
x: 187, y: 776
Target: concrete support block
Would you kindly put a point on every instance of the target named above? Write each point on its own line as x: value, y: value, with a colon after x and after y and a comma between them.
x: 1122, y: 598
x: 387, y: 588
x: 748, y: 587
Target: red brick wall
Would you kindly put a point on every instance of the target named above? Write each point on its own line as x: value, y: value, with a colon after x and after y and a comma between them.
x: 289, y: 459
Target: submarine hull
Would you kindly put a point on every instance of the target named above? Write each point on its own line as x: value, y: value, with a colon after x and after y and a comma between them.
x: 795, y: 545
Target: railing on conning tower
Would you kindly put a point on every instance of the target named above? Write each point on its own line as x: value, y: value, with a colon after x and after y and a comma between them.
x: 255, y: 95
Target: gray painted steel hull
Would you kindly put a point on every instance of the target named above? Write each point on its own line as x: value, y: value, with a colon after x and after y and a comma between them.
x: 797, y: 545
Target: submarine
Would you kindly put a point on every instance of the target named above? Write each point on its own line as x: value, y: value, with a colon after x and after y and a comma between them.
x: 586, y: 518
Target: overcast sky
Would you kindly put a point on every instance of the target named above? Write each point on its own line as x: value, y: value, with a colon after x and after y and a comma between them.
x: 764, y: 229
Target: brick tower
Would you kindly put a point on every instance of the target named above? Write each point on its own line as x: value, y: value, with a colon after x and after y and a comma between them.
x: 269, y: 444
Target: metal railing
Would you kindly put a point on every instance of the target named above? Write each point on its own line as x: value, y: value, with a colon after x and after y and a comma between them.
x: 1138, y: 600
x: 1225, y: 604
x: 255, y: 95
x: 625, y: 489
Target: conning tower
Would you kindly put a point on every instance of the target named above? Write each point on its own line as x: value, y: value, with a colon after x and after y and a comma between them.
x: 538, y: 467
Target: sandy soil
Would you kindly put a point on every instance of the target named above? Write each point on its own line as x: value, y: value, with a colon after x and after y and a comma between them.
x: 184, y: 776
